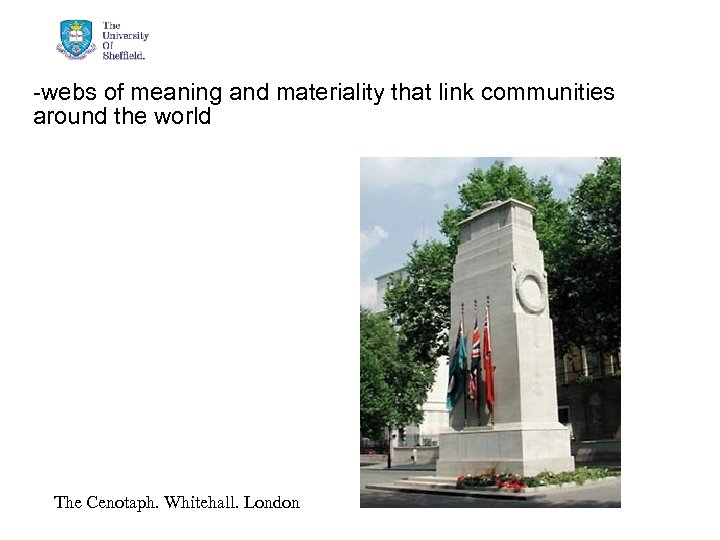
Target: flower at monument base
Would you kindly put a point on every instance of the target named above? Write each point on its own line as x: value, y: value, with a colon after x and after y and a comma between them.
x: 514, y: 483
x: 502, y: 481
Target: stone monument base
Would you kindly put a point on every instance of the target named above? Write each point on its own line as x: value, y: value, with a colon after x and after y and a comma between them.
x: 523, y: 449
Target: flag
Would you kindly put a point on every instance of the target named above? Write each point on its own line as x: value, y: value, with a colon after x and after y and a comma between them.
x: 487, y: 363
x: 474, y: 386
x: 456, y: 382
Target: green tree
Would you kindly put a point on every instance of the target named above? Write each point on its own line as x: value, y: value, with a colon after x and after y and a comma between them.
x: 580, y: 239
x: 587, y: 273
x: 419, y: 305
x: 392, y: 388
x: 499, y: 183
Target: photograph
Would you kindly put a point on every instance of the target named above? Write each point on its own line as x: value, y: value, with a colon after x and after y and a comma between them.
x: 490, y: 351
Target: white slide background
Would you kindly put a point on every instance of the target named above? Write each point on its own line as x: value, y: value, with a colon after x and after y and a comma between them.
x: 178, y: 304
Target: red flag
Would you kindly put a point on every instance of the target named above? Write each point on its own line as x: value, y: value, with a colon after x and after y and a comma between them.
x: 487, y: 363
x: 474, y: 390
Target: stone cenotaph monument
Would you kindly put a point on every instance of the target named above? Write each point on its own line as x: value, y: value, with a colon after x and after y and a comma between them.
x: 499, y: 257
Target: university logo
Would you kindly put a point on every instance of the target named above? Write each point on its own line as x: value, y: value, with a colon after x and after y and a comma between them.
x: 75, y: 39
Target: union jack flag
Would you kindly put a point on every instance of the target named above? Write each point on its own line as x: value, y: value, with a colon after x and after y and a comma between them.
x: 474, y: 386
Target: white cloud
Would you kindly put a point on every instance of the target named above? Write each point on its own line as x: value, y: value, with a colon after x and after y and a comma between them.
x: 369, y: 240
x: 389, y: 172
x: 368, y: 294
x: 564, y: 173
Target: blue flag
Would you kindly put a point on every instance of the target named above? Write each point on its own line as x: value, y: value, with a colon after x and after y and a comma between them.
x: 456, y: 382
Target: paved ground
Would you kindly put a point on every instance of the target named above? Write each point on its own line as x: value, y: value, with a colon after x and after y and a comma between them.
x: 593, y: 496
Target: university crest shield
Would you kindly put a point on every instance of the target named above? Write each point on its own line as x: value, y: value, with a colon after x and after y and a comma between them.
x: 75, y: 36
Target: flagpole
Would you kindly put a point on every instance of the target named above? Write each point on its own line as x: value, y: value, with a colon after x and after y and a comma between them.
x: 492, y: 367
x: 462, y: 323
x: 477, y: 372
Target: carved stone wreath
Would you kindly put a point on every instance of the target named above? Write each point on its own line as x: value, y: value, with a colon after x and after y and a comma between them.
x: 531, y: 278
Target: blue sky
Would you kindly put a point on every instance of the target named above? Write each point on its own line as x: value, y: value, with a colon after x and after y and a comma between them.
x: 402, y: 199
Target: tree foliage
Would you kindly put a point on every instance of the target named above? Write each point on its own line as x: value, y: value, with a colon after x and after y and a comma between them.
x: 418, y: 308
x: 499, y: 183
x: 587, y: 281
x: 580, y: 239
x: 419, y: 304
x: 392, y: 388
x: 378, y: 350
